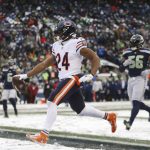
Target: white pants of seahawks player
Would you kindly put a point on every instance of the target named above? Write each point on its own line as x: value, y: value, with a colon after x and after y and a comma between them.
x: 7, y: 94
x: 136, y: 88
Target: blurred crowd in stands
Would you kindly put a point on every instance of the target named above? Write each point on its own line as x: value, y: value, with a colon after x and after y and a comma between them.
x: 26, y: 34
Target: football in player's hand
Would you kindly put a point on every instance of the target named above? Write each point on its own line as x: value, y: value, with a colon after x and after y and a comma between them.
x: 19, y: 85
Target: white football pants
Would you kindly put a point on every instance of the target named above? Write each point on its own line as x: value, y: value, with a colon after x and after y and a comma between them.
x: 136, y: 88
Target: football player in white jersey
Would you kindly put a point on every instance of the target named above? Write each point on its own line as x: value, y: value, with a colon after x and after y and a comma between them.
x: 68, y: 53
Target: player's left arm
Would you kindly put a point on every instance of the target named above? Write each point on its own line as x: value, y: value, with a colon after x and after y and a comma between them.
x: 121, y: 66
x: 125, y: 61
x: 94, y: 59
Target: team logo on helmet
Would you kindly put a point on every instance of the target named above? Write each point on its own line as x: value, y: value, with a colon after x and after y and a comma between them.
x: 136, y: 41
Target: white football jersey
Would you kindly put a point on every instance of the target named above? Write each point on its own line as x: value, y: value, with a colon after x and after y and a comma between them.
x: 68, y: 56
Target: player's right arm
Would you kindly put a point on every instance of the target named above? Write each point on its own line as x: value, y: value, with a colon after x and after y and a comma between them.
x: 38, y: 68
x: 121, y: 66
x: 41, y: 66
x: 125, y: 62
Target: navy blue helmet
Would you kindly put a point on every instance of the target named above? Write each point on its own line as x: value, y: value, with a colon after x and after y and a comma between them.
x: 65, y: 29
x: 137, y: 41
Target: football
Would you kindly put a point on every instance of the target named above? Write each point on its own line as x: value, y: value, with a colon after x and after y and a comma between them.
x: 19, y: 85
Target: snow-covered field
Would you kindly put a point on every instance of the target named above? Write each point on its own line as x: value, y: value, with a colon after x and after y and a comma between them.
x: 73, y: 124
x: 83, y: 125
x: 12, y: 144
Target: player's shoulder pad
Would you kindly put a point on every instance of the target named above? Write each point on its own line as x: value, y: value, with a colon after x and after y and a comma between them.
x: 81, y: 42
x: 55, y: 43
x: 145, y: 50
x: 80, y: 39
x: 126, y: 51
x: 5, y: 69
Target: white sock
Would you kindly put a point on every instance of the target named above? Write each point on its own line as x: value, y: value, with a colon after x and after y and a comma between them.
x: 93, y: 112
x: 50, y: 117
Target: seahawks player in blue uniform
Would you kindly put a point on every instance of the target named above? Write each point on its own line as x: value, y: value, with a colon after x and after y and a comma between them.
x: 136, y: 59
x: 9, y: 93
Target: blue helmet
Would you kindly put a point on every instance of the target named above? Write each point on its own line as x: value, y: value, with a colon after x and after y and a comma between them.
x: 65, y: 29
x: 137, y: 41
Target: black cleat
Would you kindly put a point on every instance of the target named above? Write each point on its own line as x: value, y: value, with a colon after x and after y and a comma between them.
x: 127, y: 124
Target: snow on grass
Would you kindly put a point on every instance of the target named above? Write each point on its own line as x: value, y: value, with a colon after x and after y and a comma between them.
x: 13, y: 144
x: 83, y: 125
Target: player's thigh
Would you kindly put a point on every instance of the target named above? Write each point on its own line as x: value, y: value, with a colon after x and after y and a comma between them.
x: 12, y: 93
x: 130, y: 89
x: 138, y: 90
x: 5, y: 94
x: 63, y: 91
x: 76, y: 101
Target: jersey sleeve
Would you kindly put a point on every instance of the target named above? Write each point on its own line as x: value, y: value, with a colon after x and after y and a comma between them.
x: 125, y: 53
x: 146, y: 51
x: 81, y: 43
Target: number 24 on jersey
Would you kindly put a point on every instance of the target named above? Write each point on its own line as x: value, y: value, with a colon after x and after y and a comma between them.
x: 64, y: 61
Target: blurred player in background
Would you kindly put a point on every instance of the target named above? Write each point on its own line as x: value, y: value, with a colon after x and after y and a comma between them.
x: 8, y: 93
x: 68, y: 53
x: 136, y: 59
